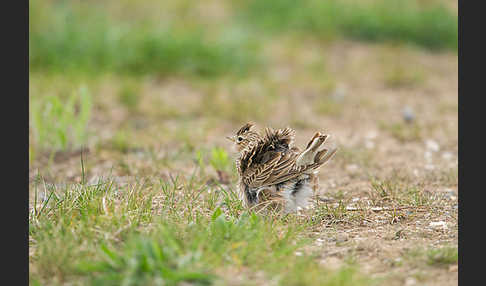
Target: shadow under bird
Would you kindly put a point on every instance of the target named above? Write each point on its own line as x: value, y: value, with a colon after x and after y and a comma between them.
x: 274, y: 173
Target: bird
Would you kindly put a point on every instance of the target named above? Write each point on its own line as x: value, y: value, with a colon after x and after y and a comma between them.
x: 272, y: 172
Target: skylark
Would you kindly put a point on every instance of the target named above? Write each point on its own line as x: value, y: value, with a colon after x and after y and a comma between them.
x: 273, y: 172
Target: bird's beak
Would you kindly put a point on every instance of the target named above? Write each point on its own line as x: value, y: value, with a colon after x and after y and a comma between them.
x: 231, y: 138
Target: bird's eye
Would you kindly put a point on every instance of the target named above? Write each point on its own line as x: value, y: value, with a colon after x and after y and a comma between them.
x: 240, y: 139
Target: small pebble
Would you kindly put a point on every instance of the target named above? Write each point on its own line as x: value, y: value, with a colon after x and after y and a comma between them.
x: 447, y: 155
x: 370, y: 144
x: 438, y: 224
x: 42, y: 197
x: 410, y: 281
x: 352, y: 168
x: 451, y: 194
x: 432, y: 145
x: 397, y: 261
x: 429, y: 167
x: 371, y: 135
x: 339, y: 94
x: 324, y: 199
x: 408, y: 114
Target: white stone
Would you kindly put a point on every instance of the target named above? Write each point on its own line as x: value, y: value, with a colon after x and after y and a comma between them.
x: 432, y: 145
x: 352, y: 168
x: 410, y: 281
x: 447, y: 155
x: 369, y: 144
x: 416, y: 172
x: 429, y: 167
x: 371, y: 135
x: 408, y: 114
x: 438, y: 224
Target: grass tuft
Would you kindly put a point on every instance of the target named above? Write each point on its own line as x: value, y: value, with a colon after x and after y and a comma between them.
x: 144, y: 261
x: 442, y: 256
x: 167, y: 232
x: 59, y: 125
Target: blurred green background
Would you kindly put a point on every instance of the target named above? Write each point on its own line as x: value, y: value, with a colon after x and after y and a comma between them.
x: 204, y: 39
x: 74, y: 43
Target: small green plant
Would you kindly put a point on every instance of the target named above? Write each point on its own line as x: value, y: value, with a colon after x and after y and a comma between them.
x: 399, y: 188
x: 57, y: 124
x: 333, y: 212
x: 442, y: 256
x: 385, y: 189
x: 200, y: 162
x: 144, y: 261
x: 416, y: 197
x: 219, y: 159
x: 438, y: 257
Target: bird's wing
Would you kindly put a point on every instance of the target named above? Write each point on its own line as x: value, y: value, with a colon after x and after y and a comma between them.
x: 279, y: 167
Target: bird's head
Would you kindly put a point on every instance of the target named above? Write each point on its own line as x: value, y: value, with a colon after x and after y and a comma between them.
x: 244, y: 136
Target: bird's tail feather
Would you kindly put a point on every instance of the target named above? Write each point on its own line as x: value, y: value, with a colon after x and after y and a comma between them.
x: 311, y: 155
x: 324, y: 155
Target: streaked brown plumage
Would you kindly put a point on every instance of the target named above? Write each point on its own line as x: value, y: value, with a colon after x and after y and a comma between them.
x: 271, y: 170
